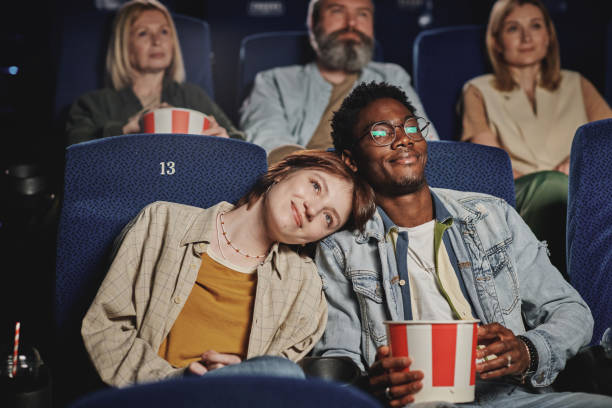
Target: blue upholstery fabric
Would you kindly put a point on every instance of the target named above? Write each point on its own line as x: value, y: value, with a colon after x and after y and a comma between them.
x: 470, y: 167
x: 259, y: 52
x: 444, y: 60
x: 236, y: 392
x: 84, y: 41
x: 589, y: 231
x: 107, y: 182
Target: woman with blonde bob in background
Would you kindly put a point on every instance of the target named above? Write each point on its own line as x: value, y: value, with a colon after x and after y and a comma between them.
x: 531, y: 108
x: 145, y: 67
x: 215, y: 291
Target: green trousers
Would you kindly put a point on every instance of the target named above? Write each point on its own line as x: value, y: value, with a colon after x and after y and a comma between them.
x: 541, y: 200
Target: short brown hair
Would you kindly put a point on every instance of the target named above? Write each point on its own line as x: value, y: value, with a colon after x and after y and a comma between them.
x: 118, y: 64
x: 363, y: 196
x: 551, y: 66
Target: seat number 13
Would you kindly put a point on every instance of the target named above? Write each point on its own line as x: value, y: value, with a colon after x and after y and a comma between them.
x: 167, y: 168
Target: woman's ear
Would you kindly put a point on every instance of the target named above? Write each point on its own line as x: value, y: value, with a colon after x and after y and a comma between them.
x: 347, y: 158
x: 497, y: 46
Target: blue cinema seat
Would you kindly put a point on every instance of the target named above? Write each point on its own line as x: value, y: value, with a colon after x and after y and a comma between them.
x: 107, y: 182
x: 444, y: 60
x: 83, y: 44
x: 235, y: 392
x: 470, y: 167
x: 589, y: 231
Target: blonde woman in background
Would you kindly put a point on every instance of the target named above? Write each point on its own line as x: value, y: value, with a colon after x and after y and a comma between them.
x: 531, y: 108
x: 145, y: 67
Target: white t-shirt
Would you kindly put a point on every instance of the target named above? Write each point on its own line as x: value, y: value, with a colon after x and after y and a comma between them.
x: 426, y: 300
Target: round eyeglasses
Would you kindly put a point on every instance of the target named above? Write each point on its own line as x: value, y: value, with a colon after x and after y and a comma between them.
x: 383, y: 133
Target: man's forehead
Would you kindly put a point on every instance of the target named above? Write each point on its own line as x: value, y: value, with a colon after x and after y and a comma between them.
x: 348, y: 3
x: 381, y: 108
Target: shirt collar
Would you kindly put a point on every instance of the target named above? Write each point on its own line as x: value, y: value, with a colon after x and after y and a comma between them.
x: 204, y: 229
x: 373, y: 227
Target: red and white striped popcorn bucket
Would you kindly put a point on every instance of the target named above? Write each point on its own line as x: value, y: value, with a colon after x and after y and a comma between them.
x: 175, y: 120
x: 444, y: 350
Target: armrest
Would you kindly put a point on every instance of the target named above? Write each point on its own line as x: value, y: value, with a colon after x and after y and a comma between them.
x: 588, y: 371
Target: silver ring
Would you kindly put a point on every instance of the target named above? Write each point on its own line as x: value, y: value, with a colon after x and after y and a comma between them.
x: 509, y: 357
x: 388, y: 393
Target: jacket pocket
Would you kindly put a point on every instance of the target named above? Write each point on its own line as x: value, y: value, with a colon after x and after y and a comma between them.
x: 366, y: 283
x: 504, y: 275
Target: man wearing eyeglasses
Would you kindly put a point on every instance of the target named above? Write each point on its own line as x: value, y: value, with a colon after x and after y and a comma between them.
x: 291, y: 107
x: 439, y: 254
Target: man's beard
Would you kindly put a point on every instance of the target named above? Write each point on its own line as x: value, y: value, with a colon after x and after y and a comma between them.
x: 346, y: 55
x: 407, y: 185
x: 399, y: 185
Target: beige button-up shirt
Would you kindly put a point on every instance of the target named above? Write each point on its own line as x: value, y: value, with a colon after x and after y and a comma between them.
x: 539, y: 140
x: 151, y: 277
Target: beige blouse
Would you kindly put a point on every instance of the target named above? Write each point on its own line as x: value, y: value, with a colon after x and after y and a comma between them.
x: 537, y: 140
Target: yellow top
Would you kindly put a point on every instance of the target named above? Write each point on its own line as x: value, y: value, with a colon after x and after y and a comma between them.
x: 217, y: 315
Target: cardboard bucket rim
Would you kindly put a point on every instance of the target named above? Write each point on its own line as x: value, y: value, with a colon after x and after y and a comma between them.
x: 174, y: 108
x: 472, y: 321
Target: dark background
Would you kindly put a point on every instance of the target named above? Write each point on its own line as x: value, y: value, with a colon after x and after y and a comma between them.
x: 29, y: 40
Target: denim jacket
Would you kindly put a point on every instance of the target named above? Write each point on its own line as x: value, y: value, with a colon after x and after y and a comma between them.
x: 502, y: 268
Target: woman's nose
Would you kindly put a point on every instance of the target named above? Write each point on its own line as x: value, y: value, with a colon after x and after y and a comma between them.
x: 310, y: 209
x: 525, y: 35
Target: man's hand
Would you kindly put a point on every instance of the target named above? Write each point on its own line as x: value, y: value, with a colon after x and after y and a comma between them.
x: 393, y: 373
x: 512, y: 354
x: 215, y: 129
x: 211, y: 360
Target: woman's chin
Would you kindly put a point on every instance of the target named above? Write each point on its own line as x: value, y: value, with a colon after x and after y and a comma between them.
x: 153, y: 69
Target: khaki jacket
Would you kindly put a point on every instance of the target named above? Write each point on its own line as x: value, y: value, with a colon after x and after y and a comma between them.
x: 151, y: 277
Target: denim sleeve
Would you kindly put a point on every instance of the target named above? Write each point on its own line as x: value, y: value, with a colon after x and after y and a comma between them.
x: 342, y: 337
x: 557, y: 319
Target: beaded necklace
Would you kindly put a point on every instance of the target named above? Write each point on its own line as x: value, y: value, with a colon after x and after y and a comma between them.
x: 238, y: 250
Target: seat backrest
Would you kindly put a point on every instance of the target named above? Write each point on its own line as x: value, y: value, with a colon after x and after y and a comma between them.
x: 82, y: 59
x: 233, y: 391
x: 470, y: 167
x: 589, y: 233
x: 259, y: 52
x: 444, y: 60
x: 107, y: 182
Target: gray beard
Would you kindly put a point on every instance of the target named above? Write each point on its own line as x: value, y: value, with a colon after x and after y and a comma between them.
x: 344, y: 55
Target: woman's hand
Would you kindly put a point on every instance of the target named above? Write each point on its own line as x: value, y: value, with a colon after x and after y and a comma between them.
x: 215, y: 129
x: 133, y: 123
x: 564, y: 166
x: 391, y: 382
x: 211, y: 360
x: 516, y: 174
x: 511, y: 352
